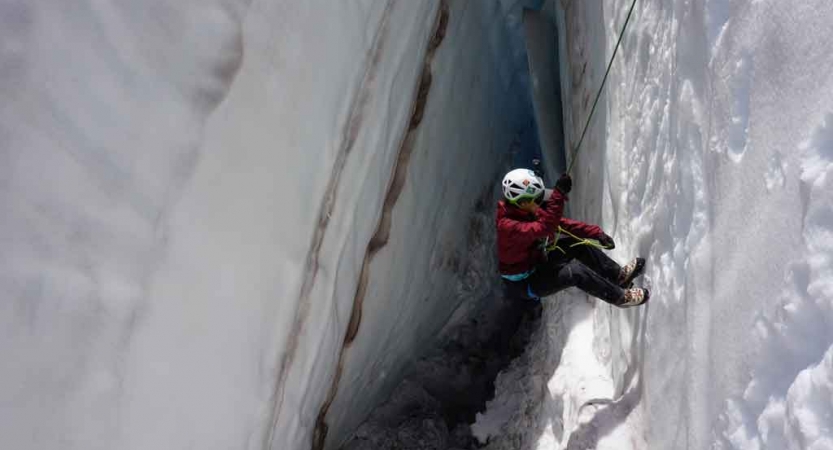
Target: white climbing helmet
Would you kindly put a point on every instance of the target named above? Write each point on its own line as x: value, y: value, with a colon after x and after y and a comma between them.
x: 521, y: 184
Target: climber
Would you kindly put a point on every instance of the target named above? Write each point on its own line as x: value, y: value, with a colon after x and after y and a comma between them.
x: 540, y: 252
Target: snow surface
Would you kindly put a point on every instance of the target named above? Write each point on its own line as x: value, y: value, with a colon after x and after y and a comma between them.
x: 714, y: 159
x: 189, y: 189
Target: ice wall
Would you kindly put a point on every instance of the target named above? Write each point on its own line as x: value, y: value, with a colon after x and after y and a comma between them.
x: 414, y: 283
x: 541, y: 42
x: 714, y: 162
x: 196, y: 193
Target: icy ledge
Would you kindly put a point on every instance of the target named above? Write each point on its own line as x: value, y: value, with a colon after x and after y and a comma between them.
x: 558, y: 395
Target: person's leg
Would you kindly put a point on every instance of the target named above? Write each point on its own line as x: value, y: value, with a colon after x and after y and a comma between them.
x: 592, y: 257
x: 519, y: 291
x: 576, y: 274
x: 519, y: 304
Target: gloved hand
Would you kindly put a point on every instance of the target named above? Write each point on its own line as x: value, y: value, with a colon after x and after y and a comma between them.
x: 564, y: 183
x: 607, y: 242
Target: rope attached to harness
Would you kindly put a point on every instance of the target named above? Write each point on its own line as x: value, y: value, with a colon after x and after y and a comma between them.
x: 601, y: 88
x: 580, y: 241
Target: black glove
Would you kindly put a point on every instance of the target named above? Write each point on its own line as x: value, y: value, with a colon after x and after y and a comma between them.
x: 607, y: 242
x: 564, y: 184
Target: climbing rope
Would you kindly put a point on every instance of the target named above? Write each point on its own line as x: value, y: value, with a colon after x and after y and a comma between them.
x: 601, y: 88
x: 580, y: 241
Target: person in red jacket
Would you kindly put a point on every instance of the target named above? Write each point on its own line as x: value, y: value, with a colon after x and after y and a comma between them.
x: 541, y: 252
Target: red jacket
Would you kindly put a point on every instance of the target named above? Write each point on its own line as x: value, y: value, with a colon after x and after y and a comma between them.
x: 520, y: 234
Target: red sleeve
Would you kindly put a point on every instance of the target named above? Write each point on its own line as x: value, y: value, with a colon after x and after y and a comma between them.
x: 545, y: 224
x: 581, y: 229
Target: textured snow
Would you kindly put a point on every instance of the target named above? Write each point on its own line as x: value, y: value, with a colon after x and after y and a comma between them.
x: 713, y: 159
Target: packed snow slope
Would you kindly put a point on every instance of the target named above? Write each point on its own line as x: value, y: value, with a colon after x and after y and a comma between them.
x: 713, y: 158
x: 230, y: 223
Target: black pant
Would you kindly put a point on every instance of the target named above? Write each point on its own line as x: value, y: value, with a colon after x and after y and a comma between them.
x: 582, y: 266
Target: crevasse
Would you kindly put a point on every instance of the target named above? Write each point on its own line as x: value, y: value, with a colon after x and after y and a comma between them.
x: 195, y: 194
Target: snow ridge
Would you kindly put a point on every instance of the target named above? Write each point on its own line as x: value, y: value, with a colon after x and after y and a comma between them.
x: 788, y: 402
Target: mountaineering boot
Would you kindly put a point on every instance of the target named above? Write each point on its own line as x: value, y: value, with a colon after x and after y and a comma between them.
x: 634, y: 297
x: 630, y: 271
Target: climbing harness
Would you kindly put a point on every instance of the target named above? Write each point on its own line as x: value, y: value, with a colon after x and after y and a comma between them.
x: 581, y: 241
x: 518, y: 276
x: 548, y: 247
x: 524, y: 289
x: 551, y: 246
x: 601, y: 88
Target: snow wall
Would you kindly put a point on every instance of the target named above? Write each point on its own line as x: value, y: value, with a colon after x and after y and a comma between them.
x: 718, y: 168
x: 229, y: 224
x: 712, y: 156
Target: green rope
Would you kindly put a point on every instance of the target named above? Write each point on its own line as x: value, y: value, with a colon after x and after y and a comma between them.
x: 581, y: 241
x: 601, y: 88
